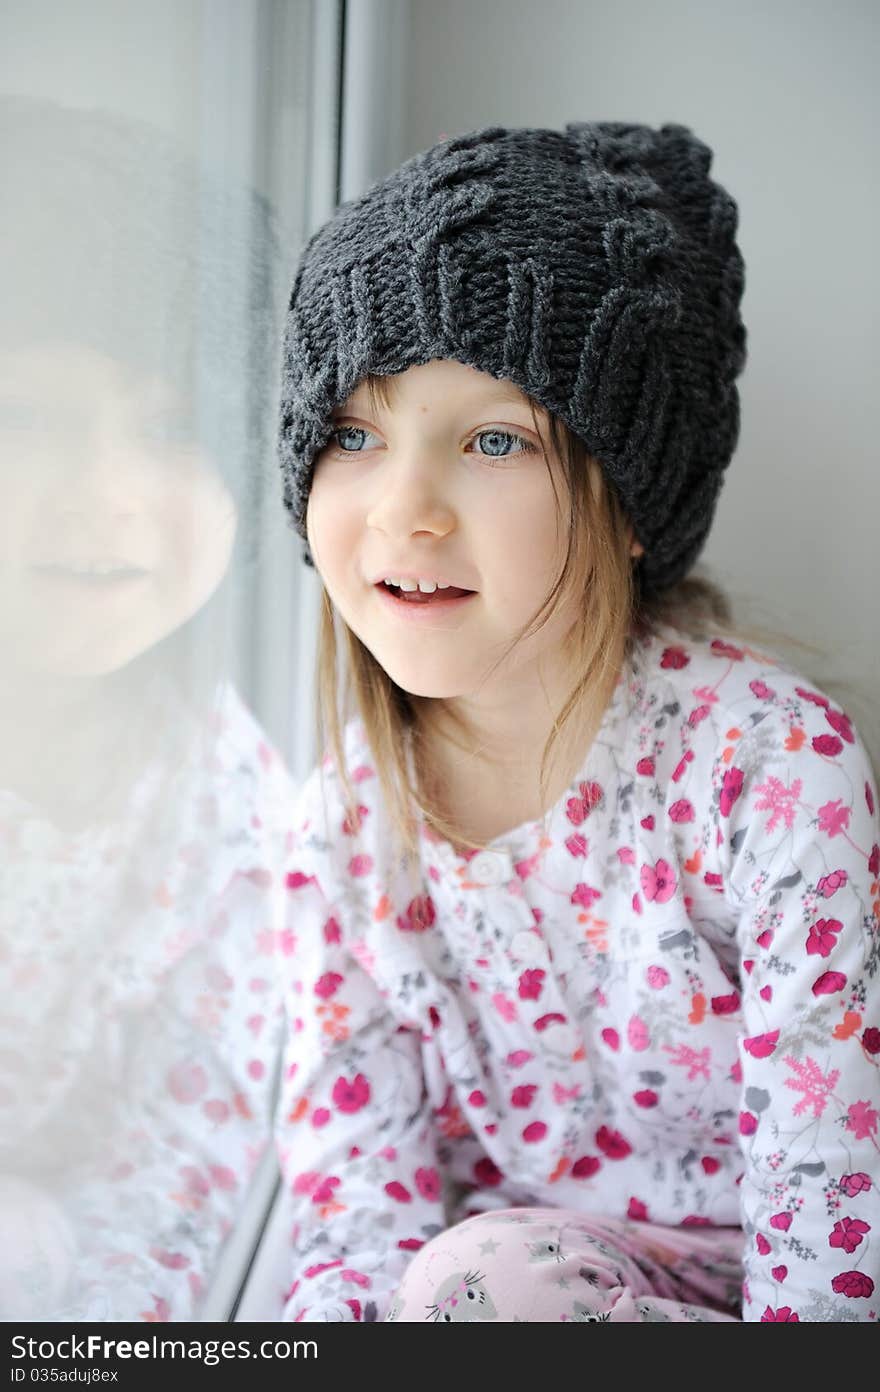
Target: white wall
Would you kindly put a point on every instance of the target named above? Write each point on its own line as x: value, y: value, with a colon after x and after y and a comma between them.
x: 786, y: 95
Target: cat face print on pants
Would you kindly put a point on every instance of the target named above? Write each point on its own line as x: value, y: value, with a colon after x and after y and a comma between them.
x: 462, y: 1299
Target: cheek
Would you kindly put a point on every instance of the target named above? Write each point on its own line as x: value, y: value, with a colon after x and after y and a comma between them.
x: 199, y: 520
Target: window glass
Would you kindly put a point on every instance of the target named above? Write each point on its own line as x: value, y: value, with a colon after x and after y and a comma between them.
x: 147, y: 764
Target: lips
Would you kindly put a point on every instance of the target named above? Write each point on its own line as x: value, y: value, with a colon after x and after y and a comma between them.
x: 437, y: 596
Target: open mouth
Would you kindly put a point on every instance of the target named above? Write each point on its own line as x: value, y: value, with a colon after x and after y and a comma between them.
x: 436, y: 599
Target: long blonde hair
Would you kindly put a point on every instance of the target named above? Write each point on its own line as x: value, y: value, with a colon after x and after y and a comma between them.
x: 598, y: 572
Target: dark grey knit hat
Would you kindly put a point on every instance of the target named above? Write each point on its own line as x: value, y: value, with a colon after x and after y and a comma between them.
x: 595, y: 268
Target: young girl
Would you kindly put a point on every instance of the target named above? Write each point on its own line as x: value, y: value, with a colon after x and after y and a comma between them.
x: 584, y: 1010
x: 143, y: 815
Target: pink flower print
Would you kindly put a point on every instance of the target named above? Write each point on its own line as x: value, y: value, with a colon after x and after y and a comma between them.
x: 842, y: 724
x: 577, y: 809
x: 724, y: 649
x: 360, y: 865
x: 869, y: 797
x: 518, y: 1057
x: 761, y: 1045
x: 871, y: 1040
x: 658, y: 977
x: 697, y: 715
x: 829, y: 983
x: 477, y: 1098
x: 174, y: 1261
x: 855, y: 1184
x: 829, y: 745
x: 731, y: 788
x: 809, y: 1079
x: 324, y: 1192
x: 830, y: 884
x: 611, y: 1038
x: 553, y: 1017
x: 678, y: 771
x: 637, y: 1211
x: 762, y: 1244
x: 682, y: 811
x: 332, y: 931
x: 710, y: 1164
x: 821, y: 939
x: 397, y: 1191
x: 658, y: 881
x: 813, y: 696
x: 675, y: 658
x: 725, y: 1005
x: 297, y: 880
x: 187, y: 1082
x: 585, y: 895
x: 646, y: 767
x: 562, y: 1094
x: 361, y: 773
x: 505, y: 1007
x: 321, y: 1116
x: 351, y: 1096
x: 586, y: 1167
x: 535, y: 1131
x: 612, y: 1143
x: 637, y: 1034
x: 577, y: 846
x: 524, y: 1095
x: 526, y: 868
x: 419, y: 915
x: 648, y: 822
x: 328, y: 984
x: 781, y: 1221
x: 637, y: 904
x: 874, y: 860
x: 833, y: 818
x: 784, y: 1315
x: 848, y: 1233
x: 626, y: 855
x: 861, y: 1119
x: 428, y: 1182
x: 762, y: 690
x: 780, y: 801
x: 853, y: 1284
x: 487, y: 1172
x: 647, y: 1097
x: 779, y: 1273
x: 531, y: 983
x: 748, y: 1124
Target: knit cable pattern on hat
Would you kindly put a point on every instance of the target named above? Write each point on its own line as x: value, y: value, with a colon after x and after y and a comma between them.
x: 595, y: 267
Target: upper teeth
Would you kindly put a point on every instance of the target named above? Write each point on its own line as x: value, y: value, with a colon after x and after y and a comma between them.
x: 426, y: 586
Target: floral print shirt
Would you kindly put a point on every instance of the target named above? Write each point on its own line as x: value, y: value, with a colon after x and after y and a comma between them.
x: 661, y: 1002
x: 141, y: 1029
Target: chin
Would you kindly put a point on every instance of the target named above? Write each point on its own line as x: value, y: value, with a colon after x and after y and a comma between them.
x: 440, y: 689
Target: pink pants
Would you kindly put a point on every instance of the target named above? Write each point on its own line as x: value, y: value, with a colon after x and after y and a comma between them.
x: 547, y: 1264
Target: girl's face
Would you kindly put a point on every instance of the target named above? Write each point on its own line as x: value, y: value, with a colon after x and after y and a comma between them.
x: 90, y: 477
x: 450, y: 484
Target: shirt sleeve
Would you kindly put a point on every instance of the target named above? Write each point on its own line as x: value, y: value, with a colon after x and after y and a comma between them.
x: 355, y: 1130
x: 803, y: 842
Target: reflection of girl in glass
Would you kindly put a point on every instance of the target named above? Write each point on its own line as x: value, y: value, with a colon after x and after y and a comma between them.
x: 140, y: 804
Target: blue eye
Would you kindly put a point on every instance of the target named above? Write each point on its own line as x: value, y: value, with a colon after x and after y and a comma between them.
x: 349, y: 430
x: 527, y: 446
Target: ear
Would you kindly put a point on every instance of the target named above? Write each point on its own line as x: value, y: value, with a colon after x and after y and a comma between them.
x: 635, y: 547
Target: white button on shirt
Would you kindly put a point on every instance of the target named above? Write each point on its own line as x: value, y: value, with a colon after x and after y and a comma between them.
x: 490, y: 868
x: 526, y: 946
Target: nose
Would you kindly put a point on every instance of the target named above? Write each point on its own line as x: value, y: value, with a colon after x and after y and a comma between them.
x: 412, y: 497
x: 104, y: 478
